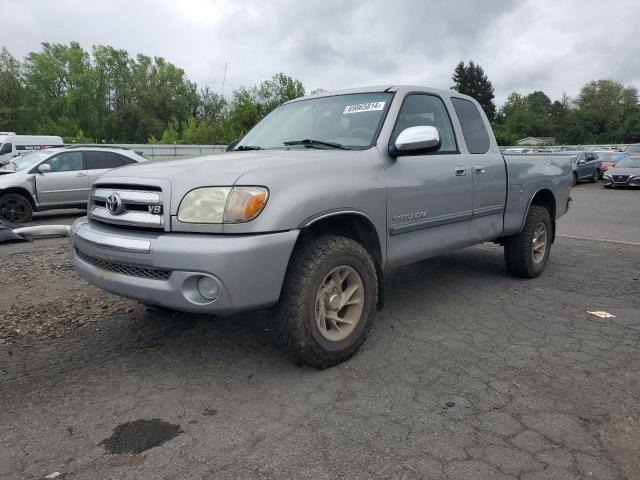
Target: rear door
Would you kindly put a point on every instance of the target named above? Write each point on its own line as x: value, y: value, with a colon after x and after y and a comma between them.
x: 428, y: 194
x: 488, y: 171
x: 66, y: 183
x: 99, y: 162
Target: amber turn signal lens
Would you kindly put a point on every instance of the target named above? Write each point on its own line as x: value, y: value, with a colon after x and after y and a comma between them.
x: 254, y: 205
x: 245, y: 204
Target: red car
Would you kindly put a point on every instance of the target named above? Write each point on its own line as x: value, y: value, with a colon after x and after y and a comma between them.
x: 609, y: 159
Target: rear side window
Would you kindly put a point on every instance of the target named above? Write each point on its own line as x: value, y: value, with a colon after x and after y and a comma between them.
x: 103, y: 160
x: 475, y: 133
x: 421, y: 109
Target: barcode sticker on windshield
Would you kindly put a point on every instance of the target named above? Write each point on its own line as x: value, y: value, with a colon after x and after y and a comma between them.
x: 363, y: 107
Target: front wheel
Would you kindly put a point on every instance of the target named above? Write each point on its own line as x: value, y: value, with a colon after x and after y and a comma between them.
x: 596, y: 176
x: 574, y: 179
x: 328, y: 301
x: 527, y: 252
x: 15, y: 208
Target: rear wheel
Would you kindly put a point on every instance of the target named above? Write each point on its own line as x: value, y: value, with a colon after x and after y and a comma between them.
x: 526, y: 253
x: 15, y: 208
x: 328, y: 301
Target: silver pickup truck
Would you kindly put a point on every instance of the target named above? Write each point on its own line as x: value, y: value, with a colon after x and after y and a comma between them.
x: 312, y: 207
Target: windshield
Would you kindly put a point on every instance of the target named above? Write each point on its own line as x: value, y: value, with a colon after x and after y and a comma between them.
x: 25, y: 161
x: 611, y: 157
x: 343, y: 120
x: 630, y: 162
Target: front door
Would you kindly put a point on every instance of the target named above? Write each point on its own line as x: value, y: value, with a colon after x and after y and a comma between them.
x: 66, y: 183
x: 429, y: 195
x: 586, y: 165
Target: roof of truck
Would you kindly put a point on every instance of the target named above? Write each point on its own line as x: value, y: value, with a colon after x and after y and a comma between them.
x: 383, y: 88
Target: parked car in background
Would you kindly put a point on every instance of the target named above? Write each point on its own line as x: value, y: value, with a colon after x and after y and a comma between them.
x: 12, y: 145
x: 518, y: 150
x: 609, y: 159
x: 586, y: 166
x: 55, y: 178
x: 633, y: 149
x: 625, y: 173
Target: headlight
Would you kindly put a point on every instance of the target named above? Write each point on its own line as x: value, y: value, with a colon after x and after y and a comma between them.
x: 222, y: 204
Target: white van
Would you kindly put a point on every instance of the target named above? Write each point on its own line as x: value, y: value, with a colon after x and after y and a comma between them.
x: 14, y: 145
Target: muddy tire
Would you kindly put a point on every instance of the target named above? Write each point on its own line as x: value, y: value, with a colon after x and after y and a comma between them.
x: 14, y: 208
x: 526, y: 253
x: 328, y: 301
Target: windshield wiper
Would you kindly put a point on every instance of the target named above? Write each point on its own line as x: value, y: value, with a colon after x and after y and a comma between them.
x: 311, y: 143
x: 242, y: 148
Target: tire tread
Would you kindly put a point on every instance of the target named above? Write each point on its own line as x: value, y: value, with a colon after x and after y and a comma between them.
x: 290, y: 329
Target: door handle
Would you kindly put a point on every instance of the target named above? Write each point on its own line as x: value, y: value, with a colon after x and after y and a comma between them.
x: 460, y: 171
x: 480, y: 169
x: 81, y: 174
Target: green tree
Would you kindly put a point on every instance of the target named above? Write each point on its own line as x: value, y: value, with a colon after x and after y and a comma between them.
x: 14, y: 113
x: 514, y: 120
x: 471, y: 80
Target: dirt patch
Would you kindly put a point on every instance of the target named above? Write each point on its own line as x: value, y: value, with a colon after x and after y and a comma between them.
x: 622, y: 440
x: 42, y: 296
x: 140, y: 435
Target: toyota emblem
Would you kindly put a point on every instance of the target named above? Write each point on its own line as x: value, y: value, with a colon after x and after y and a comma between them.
x: 114, y: 204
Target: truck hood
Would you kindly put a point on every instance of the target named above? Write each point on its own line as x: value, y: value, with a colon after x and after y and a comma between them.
x: 183, y: 175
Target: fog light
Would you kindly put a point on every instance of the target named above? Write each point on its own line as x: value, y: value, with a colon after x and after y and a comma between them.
x: 208, y: 288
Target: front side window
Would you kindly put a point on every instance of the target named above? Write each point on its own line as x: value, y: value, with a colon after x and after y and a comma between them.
x: 419, y: 110
x: 6, y: 148
x: 473, y: 128
x: 349, y: 121
x: 66, y: 162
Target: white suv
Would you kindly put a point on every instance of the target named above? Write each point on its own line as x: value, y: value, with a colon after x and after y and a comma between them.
x: 56, y: 178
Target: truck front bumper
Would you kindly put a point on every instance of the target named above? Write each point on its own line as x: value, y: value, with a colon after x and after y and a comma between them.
x: 165, y: 268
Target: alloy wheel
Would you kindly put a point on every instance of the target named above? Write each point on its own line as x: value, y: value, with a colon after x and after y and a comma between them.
x: 539, y: 243
x: 339, y: 303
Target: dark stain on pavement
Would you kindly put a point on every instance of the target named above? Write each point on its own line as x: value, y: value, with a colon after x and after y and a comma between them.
x: 210, y: 412
x: 140, y: 435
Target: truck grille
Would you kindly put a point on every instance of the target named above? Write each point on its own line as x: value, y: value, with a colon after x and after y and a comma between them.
x: 127, y: 205
x: 620, y: 178
x: 124, y: 268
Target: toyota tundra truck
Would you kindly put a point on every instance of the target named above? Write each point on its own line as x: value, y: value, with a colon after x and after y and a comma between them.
x: 307, y: 212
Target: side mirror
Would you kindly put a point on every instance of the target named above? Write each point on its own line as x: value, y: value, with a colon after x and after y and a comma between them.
x: 417, y: 139
x: 232, y: 145
x: 44, y: 168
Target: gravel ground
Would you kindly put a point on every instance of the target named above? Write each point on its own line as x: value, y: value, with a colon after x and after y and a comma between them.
x: 468, y: 373
x: 42, y: 297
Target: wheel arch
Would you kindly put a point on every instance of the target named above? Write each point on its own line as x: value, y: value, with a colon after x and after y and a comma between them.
x: 357, y: 226
x: 543, y: 197
x: 20, y: 191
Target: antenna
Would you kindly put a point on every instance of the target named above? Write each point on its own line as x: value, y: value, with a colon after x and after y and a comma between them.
x: 224, y: 79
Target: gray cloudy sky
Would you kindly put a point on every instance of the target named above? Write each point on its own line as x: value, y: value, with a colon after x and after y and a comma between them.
x: 523, y: 45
